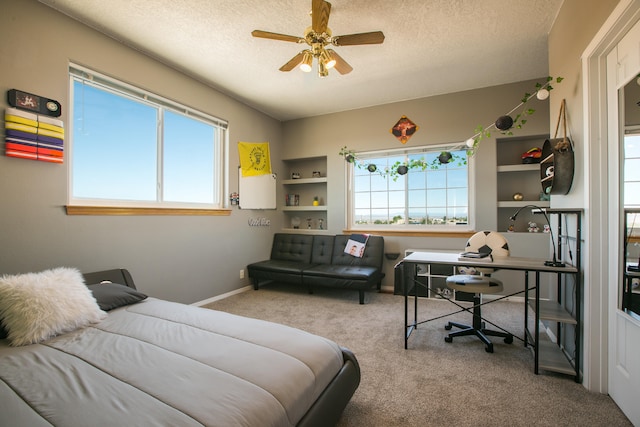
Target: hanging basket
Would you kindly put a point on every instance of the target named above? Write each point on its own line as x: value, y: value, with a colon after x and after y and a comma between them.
x: 557, y: 164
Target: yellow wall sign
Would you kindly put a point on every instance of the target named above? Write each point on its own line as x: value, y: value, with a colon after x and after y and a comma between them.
x: 254, y: 158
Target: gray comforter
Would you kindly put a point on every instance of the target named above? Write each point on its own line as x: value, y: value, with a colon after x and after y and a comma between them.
x: 162, y: 363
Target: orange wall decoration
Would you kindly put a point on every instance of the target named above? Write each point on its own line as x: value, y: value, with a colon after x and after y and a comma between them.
x: 404, y: 129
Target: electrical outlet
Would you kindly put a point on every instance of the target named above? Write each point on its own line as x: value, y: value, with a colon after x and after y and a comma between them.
x: 242, y: 274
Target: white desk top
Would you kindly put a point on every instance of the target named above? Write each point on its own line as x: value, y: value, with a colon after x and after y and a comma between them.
x: 507, y: 263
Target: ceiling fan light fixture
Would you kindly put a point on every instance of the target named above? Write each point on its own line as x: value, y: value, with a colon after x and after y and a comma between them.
x: 317, y: 37
x: 307, y: 61
x: 326, y: 57
x: 322, y: 69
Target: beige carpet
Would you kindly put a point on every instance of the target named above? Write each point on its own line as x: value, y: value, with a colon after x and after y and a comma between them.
x: 432, y: 383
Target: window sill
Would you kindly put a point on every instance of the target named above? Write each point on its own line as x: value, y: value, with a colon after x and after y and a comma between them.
x: 415, y: 233
x: 106, y: 210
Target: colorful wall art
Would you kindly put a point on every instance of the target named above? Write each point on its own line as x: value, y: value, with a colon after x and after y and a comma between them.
x: 404, y: 129
x: 33, y: 136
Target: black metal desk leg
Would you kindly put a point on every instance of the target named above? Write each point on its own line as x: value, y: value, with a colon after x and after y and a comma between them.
x: 536, y: 338
x: 407, y: 284
x: 405, y: 290
x: 414, y: 281
x: 526, y: 306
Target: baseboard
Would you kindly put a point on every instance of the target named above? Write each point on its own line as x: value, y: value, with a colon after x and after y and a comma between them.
x: 222, y: 296
x: 383, y: 289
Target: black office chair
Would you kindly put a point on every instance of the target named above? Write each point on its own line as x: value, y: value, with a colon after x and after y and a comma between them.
x: 478, y: 281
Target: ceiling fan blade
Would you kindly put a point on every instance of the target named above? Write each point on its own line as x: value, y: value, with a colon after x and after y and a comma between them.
x: 320, y: 10
x: 293, y: 62
x: 374, y: 37
x: 341, y: 65
x: 276, y: 36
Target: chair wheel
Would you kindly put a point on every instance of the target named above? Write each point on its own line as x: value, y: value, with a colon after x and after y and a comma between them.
x: 448, y: 326
x: 509, y: 339
x: 489, y: 348
x: 448, y: 338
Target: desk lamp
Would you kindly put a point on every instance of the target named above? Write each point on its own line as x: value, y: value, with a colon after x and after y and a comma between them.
x: 550, y: 263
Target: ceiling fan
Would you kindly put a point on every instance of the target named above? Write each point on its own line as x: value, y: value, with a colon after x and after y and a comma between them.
x: 318, y: 36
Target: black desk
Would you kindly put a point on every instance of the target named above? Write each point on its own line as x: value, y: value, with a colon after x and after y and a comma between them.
x: 409, y: 266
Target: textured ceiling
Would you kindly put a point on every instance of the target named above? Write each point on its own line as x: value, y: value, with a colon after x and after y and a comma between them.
x: 431, y: 46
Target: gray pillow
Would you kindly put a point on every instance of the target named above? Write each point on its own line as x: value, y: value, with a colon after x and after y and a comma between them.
x: 113, y: 295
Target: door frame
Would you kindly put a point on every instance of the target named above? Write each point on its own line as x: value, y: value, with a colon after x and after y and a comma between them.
x: 602, y: 198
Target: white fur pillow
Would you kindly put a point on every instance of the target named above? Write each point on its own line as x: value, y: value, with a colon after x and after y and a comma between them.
x: 37, y: 306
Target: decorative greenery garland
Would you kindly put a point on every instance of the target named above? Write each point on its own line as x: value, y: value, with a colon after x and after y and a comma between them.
x: 504, y: 124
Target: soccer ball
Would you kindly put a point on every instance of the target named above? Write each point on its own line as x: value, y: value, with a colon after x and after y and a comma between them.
x: 490, y: 242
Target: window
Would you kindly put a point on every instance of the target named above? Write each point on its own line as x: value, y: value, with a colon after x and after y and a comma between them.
x: 132, y: 148
x: 431, y: 196
x: 631, y: 193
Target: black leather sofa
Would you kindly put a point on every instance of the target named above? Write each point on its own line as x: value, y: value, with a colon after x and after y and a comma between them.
x: 319, y: 260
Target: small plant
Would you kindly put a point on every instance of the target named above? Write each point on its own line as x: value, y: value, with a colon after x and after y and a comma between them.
x: 402, y: 168
x: 348, y: 155
x: 505, y: 123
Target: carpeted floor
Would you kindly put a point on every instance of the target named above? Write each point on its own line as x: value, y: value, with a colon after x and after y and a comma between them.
x: 432, y: 383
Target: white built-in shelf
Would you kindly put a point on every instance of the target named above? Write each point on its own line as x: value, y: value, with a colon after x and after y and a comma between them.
x: 305, y: 190
x: 519, y: 168
x: 305, y: 230
x: 305, y: 181
x: 521, y: 203
x: 305, y: 208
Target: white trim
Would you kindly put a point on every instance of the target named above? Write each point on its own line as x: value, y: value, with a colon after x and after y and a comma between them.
x: 105, y: 82
x: 600, y: 241
x: 222, y: 296
x: 363, y: 156
x: 220, y: 159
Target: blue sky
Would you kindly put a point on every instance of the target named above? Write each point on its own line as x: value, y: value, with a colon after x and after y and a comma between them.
x: 115, y: 150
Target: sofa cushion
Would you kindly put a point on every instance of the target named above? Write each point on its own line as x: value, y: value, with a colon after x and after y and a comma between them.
x: 350, y: 272
x: 277, y: 271
x: 290, y: 267
x: 292, y: 247
x: 342, y: 276
x: 372, y: 256
x: 322, y: 249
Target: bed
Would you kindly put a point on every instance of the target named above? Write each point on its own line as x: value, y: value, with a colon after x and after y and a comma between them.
x: 154, y: 362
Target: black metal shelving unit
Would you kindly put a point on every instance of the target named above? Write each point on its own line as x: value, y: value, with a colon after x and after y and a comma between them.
x: 565, y: 311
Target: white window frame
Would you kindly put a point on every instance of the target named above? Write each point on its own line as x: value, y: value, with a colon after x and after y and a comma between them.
x: 221, y: 168
x: 629, y: 131
x: 406, y: 228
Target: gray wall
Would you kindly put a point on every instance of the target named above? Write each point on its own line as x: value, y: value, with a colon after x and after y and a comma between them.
x: 186, y: 258
x: 180, y: 258
x: 442, y: 119
x: 576, y: 25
